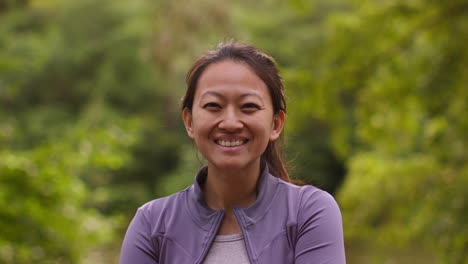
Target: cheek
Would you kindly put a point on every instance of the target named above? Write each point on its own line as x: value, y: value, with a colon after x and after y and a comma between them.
x: 201, y: 125
x: 262, y: 125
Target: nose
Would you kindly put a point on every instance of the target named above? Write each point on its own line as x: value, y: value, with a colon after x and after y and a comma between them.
x: 230, y: 121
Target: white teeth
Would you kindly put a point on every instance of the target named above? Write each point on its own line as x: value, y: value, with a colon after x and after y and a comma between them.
x: 226, y: 143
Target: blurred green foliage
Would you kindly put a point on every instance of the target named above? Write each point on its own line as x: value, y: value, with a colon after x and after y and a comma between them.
x: 90, y: 115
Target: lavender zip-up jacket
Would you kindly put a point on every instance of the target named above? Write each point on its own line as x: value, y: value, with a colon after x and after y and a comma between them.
x: 286, y: 224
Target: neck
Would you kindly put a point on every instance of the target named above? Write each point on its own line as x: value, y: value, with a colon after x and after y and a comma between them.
x: 225, y: 189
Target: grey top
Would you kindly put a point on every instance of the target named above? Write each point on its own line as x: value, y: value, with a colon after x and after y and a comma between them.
x: 227, y: 249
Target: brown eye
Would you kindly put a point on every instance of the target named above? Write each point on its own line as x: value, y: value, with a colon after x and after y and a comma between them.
x: 212, y: 106
x: 250, y: 107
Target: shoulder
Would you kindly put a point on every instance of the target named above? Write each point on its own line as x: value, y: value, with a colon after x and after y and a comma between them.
x: 314, y: 197
x: 156, y: 210
x: 306, y: 193
x: 143, y: 239
x: 319, y: 230
x: 311, y: 200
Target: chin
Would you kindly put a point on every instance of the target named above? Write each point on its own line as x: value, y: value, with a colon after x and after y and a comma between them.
x: 232, y: 164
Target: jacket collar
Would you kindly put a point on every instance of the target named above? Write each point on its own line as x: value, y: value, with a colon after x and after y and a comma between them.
x: 205, y: 217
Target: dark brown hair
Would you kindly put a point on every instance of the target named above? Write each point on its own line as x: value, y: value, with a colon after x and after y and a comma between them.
x: 265, y: 68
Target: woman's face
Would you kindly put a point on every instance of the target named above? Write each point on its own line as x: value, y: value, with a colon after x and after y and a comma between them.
x: 232, y: 117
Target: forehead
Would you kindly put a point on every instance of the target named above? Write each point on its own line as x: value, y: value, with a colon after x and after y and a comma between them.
x: 231, y: 78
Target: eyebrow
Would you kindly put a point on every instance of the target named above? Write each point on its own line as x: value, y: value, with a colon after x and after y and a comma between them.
x: 216, y: 94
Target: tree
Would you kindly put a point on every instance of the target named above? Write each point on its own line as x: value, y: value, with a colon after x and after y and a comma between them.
x: 395, y: 73
x: 76, y: 94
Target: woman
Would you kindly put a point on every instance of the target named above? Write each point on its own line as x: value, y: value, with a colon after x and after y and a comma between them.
x: 242, y: 207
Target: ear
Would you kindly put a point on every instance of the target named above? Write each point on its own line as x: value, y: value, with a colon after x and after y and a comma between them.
x: 187, y: 117
x: 278, y: 124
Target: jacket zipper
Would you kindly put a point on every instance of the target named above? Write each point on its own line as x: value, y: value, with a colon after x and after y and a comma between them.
x: 210, y: 239
x: 244, y: 233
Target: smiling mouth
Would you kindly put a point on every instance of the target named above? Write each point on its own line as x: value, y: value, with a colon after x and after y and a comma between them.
x: 230, y: 143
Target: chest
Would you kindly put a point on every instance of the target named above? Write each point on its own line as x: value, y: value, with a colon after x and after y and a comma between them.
x: 260, y: 244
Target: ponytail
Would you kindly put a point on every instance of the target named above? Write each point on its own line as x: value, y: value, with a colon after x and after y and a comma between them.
x: 272, y: 156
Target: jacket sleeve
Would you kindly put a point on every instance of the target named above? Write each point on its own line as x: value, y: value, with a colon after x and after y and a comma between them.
x: 138, y: 246
x: 320, y: 233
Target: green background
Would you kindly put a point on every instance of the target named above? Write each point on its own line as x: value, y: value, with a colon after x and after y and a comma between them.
x: 90, y: 120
